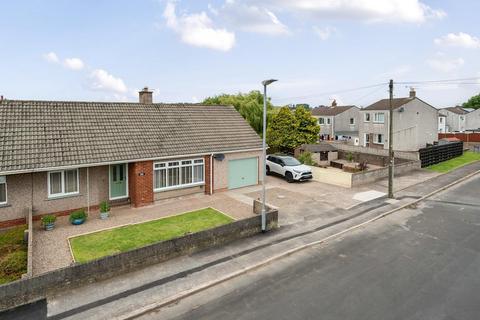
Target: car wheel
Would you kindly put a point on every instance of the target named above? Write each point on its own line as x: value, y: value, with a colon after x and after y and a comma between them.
x: 267, y: 170
x: 289, y: 177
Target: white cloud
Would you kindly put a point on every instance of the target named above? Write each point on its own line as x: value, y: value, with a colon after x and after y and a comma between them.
x: 409, y: 11
x: 197, y: 29
x: 103, y: 81
x: 51, y: 57
x: 460, y: 39
x: 252, y: 18
x: 73, y: 63
x: 444, y: 64
x: 324, y: 33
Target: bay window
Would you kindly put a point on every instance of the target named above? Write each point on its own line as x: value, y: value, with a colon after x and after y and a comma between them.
x: 63, y: 183
x: 177, y: 174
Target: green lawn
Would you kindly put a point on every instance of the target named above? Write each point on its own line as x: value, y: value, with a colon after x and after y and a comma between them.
x: 103, y: 243
x: 13, y: 254
x: 446, y: 166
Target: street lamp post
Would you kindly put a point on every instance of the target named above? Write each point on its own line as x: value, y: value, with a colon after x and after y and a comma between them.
x: 265, y: 83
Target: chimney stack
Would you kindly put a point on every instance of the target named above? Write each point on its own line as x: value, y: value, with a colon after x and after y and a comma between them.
x: 145, y: 96
x: 334, y: 103
x: 413, y: 94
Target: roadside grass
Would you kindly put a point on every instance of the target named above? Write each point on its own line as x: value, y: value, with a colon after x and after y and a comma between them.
x: 13, y: 254
x: 449, y: 165
x: 104, y: 243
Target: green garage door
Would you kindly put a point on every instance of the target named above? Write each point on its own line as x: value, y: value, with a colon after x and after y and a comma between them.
x: 242, y: 172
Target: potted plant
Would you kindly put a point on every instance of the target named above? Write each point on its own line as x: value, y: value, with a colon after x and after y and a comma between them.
x: 48, y: 221
x: 104, y: 210
x: 78, y: 217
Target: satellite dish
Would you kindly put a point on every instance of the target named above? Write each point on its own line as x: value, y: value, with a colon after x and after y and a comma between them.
x: 219, y: 156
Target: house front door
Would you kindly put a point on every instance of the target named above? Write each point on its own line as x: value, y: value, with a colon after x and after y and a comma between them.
x: 118, y: 181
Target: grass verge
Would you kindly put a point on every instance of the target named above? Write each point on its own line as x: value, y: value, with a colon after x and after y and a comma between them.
x: 449, y: 165
x: 104, y: 243
x: 13, y: 254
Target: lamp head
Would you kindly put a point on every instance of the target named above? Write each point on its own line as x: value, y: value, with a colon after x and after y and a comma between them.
x: 267, y: 82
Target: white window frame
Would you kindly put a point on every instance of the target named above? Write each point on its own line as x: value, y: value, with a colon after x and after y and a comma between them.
x: 365, y: 115
x: 366, y: 139
x: 3, y: 180
x: 375, y: 138
x: 63, y: 193
x: 352, y: 123
x: 321, y: 120
x: 179, y: 166
x: 375, y: 117
x: 329, y: 121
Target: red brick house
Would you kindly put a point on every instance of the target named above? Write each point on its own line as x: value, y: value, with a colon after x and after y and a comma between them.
x: 58, y: 156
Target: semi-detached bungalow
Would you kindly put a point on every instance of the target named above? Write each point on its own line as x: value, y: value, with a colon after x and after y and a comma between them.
x: 58, y: 156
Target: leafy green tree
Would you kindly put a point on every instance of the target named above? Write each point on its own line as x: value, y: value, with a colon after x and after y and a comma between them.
x: 307, y: 126
x: 473, y: 102
x: 288, y: 130
x: 281, y: 131
x: 249, y: 105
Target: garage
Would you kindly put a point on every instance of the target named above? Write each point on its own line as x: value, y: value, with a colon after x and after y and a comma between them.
x: 242, y: 172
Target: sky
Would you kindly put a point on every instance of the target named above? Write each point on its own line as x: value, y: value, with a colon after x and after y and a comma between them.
x: 319, y: 50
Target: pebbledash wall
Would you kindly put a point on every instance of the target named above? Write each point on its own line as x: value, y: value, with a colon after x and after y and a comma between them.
x: 30, y: 189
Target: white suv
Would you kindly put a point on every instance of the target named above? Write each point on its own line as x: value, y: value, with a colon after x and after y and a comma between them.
x: 288, y: 167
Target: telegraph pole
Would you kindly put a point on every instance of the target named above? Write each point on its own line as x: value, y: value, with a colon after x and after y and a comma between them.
x: 390, y: 143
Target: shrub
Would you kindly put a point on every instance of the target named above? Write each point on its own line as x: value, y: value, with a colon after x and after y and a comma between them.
x: 306, y: 158
x: 104, y: 206
x: 79, y: 214
x: 48, y: 219
x: 349, y: 157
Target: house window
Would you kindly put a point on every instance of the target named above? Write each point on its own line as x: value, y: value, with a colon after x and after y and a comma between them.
x: 177, y: 174
x: 328, y: 120
x: 366, y: 138
x: 321, y: 120
x: 366, y: 117
x: 3, y: 190
x: 379, y: 117
x: 63, y: 183
x: 352, y: 121
x: 378, y: 139
x: 441, y: 120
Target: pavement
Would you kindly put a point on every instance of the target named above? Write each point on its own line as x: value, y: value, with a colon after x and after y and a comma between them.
x: 420, y: 263
x: 116, y: 297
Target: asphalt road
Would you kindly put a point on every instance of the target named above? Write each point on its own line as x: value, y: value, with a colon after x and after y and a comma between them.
x: 421, y: 263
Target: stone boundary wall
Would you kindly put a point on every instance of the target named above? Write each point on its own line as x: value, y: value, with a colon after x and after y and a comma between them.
x: 32, y: 289
x: 361, y: 178
x: 374, y: 151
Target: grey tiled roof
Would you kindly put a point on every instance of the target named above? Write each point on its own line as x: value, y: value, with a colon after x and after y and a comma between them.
x: 384, y: 104
x: 330, y: 111
x: 47, y: 134
x: 457, y: 110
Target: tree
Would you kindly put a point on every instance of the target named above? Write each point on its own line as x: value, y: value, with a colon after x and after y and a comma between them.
x: 473, y: 102
x: 288, y: 130
x: 249, y: 105
x: 307, y: 126
x: 281, y: 131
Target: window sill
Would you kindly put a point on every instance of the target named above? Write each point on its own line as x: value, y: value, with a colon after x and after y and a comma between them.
x: 185, y: 186
x: 63, y: 196
x: 5, y: 205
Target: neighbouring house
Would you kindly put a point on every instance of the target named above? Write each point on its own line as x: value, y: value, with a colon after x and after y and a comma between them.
x: 456, y: 119
x: 338, y: 122
x: 442, y: 123
x: 472, y: 120
x: 415, y: 124
x: 58, y: 156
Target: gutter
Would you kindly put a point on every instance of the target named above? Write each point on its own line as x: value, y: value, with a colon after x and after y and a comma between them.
x: 96, y: 164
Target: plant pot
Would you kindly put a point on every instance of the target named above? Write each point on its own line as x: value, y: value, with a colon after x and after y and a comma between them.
x: 48, y: 226
x: 76, y: 222
x: 104, y: 215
